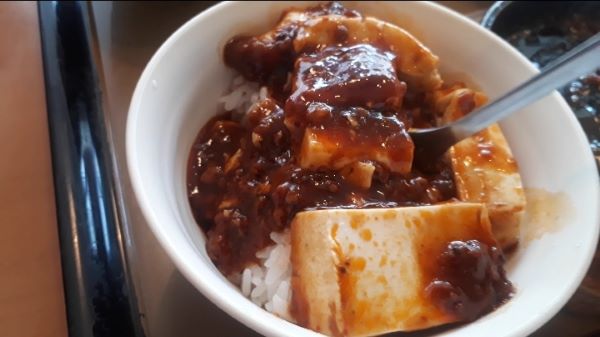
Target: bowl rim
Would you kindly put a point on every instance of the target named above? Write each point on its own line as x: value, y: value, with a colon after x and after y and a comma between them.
x: 208, y: 289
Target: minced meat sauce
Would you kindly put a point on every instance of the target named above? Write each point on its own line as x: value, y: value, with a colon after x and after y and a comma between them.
x: 470, y: 279
x: 245, y: 175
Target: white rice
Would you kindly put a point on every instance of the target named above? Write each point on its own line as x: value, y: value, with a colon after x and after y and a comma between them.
x: 243, y: 95
x: 268, y: 282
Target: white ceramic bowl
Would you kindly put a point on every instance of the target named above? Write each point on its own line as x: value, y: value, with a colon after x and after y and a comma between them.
x: 178, y: 93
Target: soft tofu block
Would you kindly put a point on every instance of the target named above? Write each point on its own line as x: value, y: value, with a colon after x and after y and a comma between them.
x: 337, y: 148
x: 484, y: 168
x: 364, y: 272
x: 486, y: 172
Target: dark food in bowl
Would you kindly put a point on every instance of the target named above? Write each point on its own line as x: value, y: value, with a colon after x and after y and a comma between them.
x: 327, y: 130
x: 545, y: 41
x: 268, y: 183
x: 543, y: 33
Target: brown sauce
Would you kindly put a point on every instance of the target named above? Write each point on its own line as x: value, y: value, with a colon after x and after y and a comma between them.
x: 469, y: 280
x: 269, y: 60
x: 245, y: 178
x: 238, y: 198
x: 358, y: 75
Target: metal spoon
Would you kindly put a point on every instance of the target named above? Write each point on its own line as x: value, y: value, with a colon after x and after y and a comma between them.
x: 585, y: 58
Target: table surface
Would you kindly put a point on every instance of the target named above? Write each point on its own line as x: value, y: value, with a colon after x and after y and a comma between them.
x: 31, y: 290
x: 128, y: 34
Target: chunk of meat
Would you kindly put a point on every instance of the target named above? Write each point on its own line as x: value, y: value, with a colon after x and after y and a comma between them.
x: 360, y: 75
x: 415, y: 63
x: 269, y: 134
x: 374, y: 271
x: 268, y: 57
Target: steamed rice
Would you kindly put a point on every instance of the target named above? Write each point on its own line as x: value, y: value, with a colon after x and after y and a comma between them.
x: 266, y: 283
x: 243, y: 95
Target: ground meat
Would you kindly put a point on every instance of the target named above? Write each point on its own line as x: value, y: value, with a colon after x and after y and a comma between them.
x: 469, y: 281
x: 244, y: 182
x: 246, y: 176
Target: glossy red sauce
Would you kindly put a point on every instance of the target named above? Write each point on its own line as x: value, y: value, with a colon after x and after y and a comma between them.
x: 469, y: 280
x: 358, y: 75
x: 244, y: 174
x: 239, y: 199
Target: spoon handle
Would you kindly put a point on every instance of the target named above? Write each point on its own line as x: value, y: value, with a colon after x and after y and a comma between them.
x: 577, y: 62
